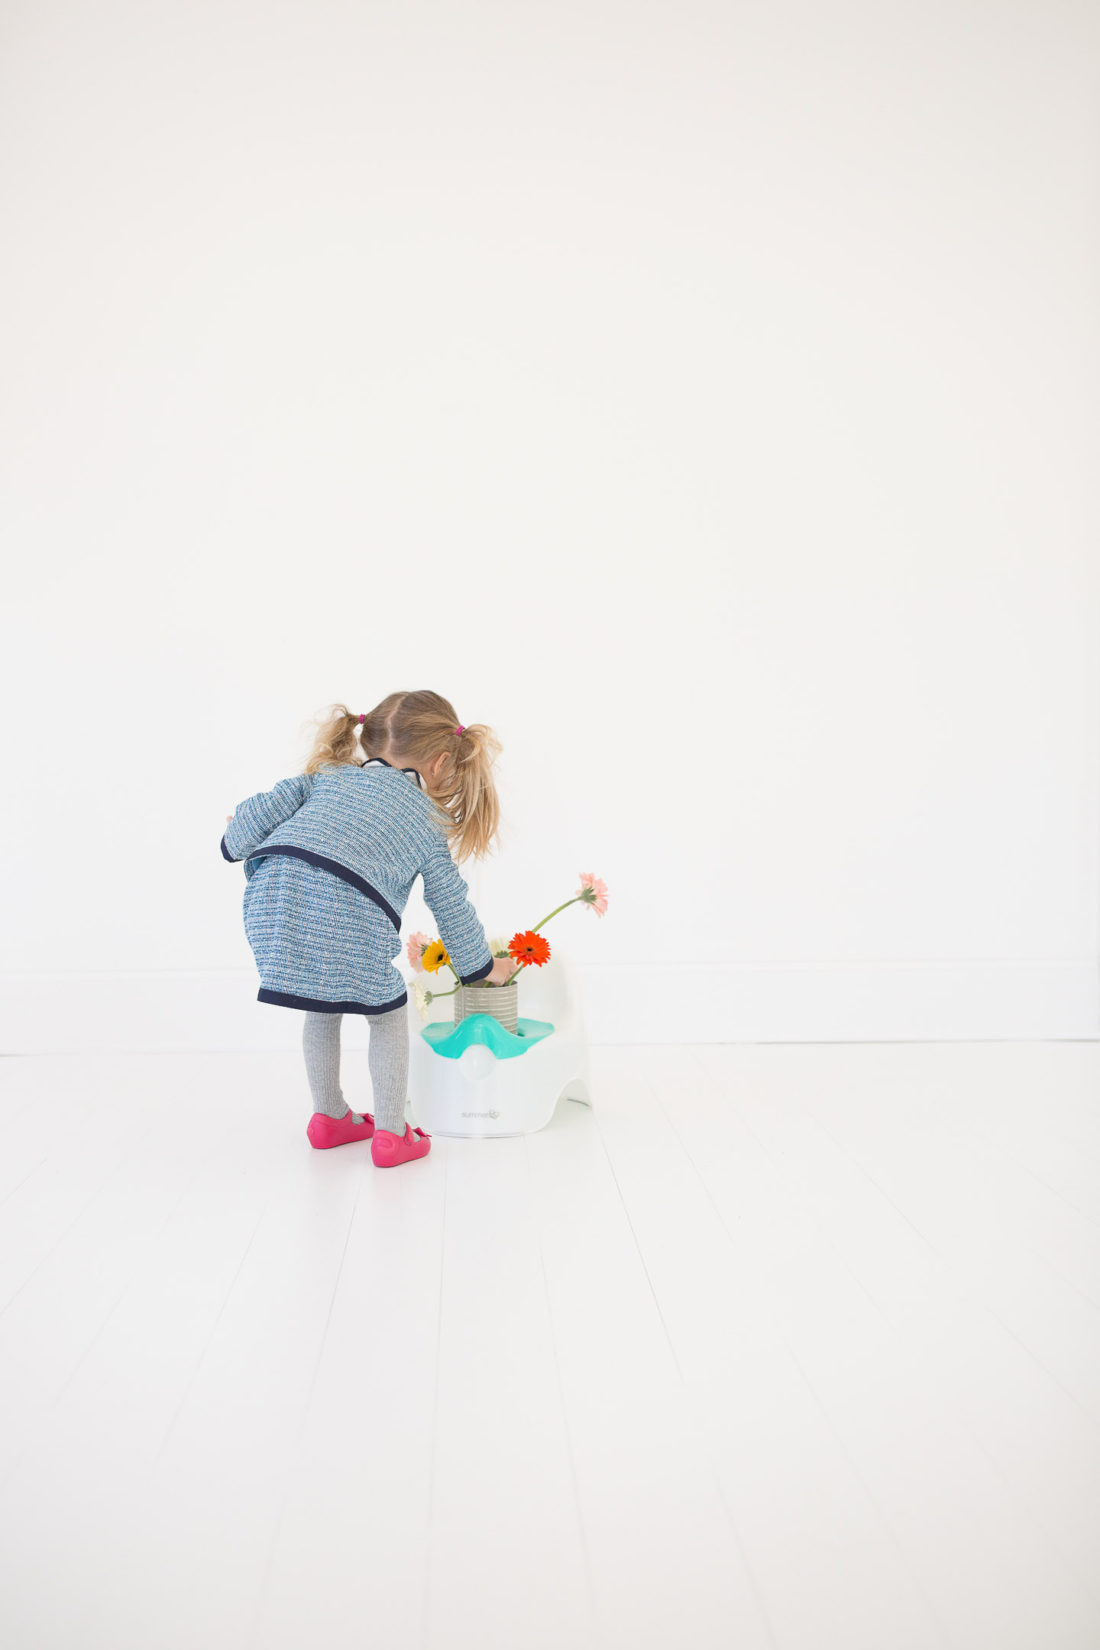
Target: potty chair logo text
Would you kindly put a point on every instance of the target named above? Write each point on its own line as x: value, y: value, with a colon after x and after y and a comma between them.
x: 493, y: 1114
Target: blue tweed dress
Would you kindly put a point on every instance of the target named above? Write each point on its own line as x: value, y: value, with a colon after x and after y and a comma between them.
x: 329, y: 862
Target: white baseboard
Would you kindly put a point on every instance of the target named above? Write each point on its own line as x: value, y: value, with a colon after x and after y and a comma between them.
x: 843, y: 1002
x: 634, y: 1003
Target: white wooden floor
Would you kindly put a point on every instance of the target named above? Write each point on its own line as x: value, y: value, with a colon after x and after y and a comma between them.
x: 793, y: 1347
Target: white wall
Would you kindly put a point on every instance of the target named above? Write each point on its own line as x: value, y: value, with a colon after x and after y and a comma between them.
x: 702, y: 394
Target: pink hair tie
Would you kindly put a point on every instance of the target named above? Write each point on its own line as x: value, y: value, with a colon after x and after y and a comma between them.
x: 363, y: 717
x: 460, y: 728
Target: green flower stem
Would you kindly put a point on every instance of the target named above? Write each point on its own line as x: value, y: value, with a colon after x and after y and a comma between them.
x: 554, y: 912
x: 454, y: 988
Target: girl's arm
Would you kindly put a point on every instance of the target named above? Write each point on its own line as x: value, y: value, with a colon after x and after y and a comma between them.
x: 258, y: 816
x: 446, y: 894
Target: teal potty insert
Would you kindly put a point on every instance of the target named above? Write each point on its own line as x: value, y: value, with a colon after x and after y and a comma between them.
x: 452, y: 1041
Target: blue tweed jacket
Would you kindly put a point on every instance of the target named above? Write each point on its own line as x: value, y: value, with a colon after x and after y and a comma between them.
x: 329, y: 862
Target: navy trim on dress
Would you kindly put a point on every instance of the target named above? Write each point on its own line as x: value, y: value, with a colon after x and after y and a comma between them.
x: 226, y: 854
x: 468, y: 979
x: 337, y: 870
x: 283, y: 999
x: 414, y: 771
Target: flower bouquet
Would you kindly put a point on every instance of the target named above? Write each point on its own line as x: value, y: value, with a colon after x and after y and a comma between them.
x: 526, y: 949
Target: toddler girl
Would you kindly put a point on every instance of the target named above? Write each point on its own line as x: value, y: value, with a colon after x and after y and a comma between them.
x: 330, y: 857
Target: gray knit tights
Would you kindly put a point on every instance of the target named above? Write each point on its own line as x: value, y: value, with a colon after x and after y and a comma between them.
x: 387, y: 1057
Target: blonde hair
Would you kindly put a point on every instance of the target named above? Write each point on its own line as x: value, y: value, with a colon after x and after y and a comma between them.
x: 412, y: 730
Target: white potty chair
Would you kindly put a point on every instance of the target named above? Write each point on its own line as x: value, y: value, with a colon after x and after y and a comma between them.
x: 481, y: 1096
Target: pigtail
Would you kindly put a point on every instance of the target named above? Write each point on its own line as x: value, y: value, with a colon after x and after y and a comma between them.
x: 466, y: 791
x: 335, y: 739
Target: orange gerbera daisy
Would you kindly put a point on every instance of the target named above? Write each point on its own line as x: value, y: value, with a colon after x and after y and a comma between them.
x: 433, y: 956
x: 529, y: 948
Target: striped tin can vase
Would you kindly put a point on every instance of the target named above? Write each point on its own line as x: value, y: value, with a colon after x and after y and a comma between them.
x: 501, y: 1001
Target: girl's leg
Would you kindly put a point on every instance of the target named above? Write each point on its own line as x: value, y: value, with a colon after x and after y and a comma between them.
x: 388, y: 1058
x: 321, y: 1047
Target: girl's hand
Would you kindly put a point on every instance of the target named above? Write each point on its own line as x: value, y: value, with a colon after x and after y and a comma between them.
x: 503, y: 970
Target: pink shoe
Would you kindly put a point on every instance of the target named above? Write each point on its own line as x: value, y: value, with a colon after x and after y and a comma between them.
x: 324, y: 1131
x: 388, y: 1150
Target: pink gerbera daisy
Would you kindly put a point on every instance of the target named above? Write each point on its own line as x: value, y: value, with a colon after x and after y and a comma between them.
x: 593, y: 892
x: 415, y: 949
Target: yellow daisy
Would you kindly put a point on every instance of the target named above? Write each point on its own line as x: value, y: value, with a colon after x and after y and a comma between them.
x: 434, y: 956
